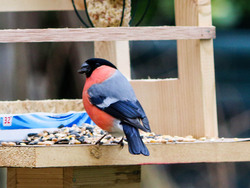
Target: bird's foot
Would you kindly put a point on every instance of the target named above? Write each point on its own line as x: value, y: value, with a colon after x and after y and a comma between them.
x: 121, y: 143
x: 98, y: 142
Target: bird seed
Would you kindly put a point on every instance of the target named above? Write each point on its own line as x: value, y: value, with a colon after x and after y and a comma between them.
x: 90, y: 134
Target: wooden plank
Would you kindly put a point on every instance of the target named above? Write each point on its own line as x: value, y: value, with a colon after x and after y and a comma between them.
x: 116, y: 52
x: 106, y: 34
x: 196, y: 70
x: 172, y: 106
x: 41, y: 171
x: 32, y: 181
x: 38, y: 5
x: 107, y: 176
x: 39, y: 186
x: 11, y: 177
x: 67, y: 177
x: 162, y: 102
x: 50, y: 106
x: 24, y: 158
x: 92, y: 176
x: 92, y: 155
x: 39, y: 177
x: 177, y: 153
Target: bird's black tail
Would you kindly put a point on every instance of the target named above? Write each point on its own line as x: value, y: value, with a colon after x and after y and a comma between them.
x: 135, y: 143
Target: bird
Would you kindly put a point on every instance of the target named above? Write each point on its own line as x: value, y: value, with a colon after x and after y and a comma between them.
x: 111, y: 103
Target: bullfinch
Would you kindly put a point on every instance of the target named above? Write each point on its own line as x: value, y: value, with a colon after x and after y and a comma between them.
x: 110, y: 101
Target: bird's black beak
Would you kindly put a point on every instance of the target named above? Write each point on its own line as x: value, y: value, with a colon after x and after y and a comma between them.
x: 84, y: 68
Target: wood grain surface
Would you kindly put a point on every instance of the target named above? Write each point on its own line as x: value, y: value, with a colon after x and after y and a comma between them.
x: 106, y: 34
x: 93, y: 155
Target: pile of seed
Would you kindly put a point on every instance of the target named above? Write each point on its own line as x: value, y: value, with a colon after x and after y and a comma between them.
x: 86, y: 134
x: 90, y: 134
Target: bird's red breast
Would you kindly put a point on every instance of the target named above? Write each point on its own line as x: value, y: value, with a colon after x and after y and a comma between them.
x: 101, y: 118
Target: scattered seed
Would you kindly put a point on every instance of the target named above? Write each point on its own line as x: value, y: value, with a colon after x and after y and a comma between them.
x: 60, y: 126
x: 8, y: 144
x: 202, y: 139
x: 33, y: 134
x: 89, y: 134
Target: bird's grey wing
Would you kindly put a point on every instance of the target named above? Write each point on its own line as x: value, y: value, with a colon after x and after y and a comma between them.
x: 116, y: 97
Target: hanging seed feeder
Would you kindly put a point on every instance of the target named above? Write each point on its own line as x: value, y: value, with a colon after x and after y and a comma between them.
x: 109, y: 13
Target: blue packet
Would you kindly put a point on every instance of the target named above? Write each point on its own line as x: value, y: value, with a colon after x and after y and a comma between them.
x: 15, y: 127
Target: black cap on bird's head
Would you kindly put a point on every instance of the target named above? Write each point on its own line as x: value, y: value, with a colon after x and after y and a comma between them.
x: 91, y: 64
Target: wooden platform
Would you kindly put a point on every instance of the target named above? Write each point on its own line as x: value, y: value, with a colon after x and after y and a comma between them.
x: 91, y: 155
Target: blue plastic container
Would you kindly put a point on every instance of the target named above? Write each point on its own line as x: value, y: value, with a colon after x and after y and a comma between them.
x: 15, y: 127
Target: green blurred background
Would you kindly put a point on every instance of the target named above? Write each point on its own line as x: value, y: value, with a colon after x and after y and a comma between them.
x: 48, y: 70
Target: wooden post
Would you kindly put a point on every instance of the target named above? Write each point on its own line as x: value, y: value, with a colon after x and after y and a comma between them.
x: 196, y: 68
x: 187, y: 105
x: 116, y: 52
x: 11, y: 178
x: 98, y: 176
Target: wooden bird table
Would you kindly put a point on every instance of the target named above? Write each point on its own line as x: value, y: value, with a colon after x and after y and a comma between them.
x: 182, y: 106
x: 106, y: 166
x: 100, y: 166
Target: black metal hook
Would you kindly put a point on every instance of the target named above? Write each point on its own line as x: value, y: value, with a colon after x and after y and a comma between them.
x: 143, y: 15
x: 78, y: 15
x: 87, y: 13
x: 123, y: 11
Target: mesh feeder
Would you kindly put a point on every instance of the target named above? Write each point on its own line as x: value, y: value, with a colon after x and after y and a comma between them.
x: 110, y: 13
